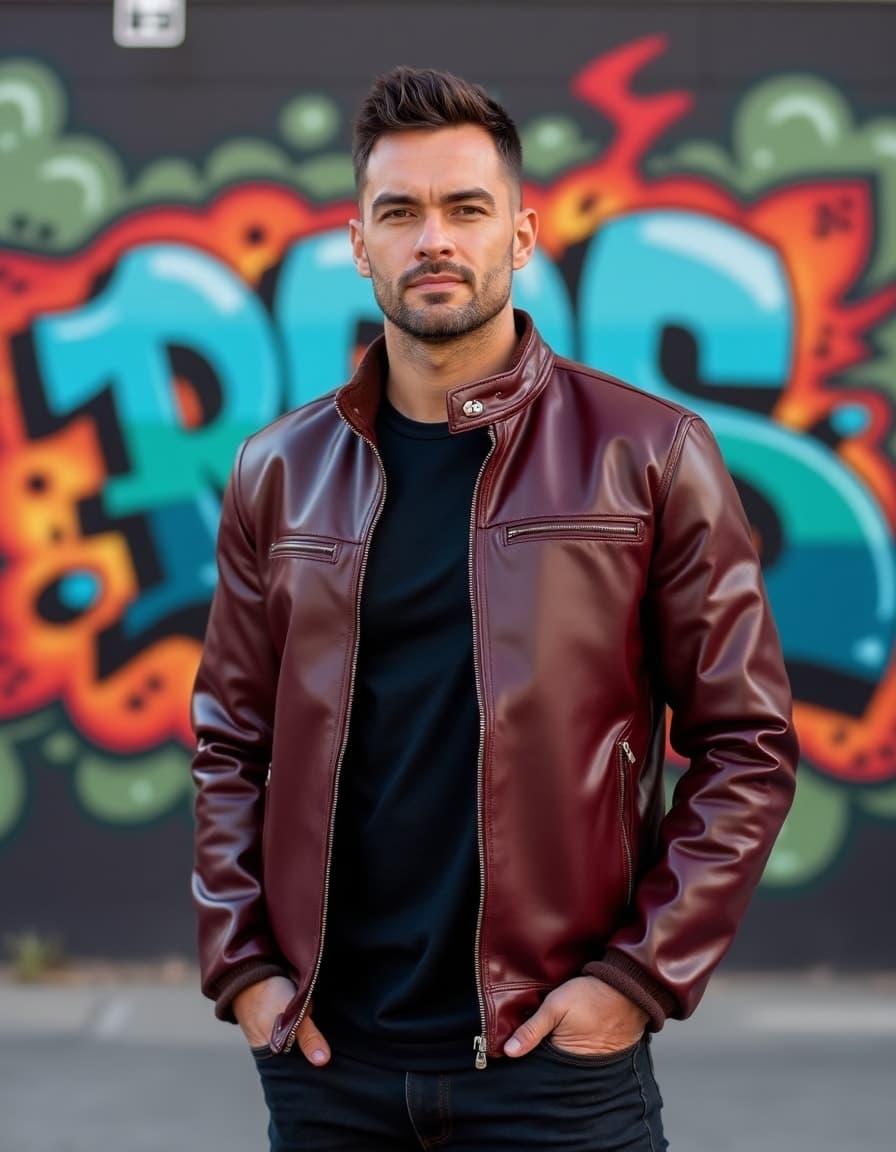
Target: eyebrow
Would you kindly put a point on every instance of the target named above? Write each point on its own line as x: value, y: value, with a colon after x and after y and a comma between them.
x: 402, y: 199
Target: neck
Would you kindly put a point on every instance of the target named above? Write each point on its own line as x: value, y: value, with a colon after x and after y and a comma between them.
x: 421, y: 372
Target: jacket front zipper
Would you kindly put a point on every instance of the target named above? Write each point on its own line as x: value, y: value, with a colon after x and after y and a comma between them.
x: 621, y: 529
x: 480, y: 1042
x: 291, y: 1038
x: 626, y: 758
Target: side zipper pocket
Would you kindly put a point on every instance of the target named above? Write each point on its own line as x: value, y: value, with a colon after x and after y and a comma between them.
x: 626, y: 762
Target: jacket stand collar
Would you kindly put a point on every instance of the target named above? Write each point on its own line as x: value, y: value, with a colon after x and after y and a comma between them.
x: 473, y: 405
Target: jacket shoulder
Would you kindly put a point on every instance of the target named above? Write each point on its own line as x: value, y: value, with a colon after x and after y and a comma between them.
x: 310, y: 419
x: 300, y: 428
x: 293, y: 443
x: 621, y: 396
x: 605, y: 409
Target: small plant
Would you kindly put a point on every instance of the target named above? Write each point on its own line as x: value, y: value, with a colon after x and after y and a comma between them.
x: 32, y: 955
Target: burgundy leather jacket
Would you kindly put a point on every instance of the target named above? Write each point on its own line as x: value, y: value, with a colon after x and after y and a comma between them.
x: 612, y: 572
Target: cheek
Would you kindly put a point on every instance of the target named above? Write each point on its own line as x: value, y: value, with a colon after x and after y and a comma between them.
x: 384, y: 256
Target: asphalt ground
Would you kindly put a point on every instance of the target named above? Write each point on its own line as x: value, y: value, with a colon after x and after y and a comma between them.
x: 796, y: 1063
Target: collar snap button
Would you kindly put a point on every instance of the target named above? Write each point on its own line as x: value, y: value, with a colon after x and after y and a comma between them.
x: 473, y: 408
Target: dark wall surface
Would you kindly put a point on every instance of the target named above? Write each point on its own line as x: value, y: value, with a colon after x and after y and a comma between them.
x: 762, y: 136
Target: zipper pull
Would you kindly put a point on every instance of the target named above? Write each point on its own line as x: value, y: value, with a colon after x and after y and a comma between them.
x: 627, y: 749
x: 479, y: 1048
x: 291, y: 1036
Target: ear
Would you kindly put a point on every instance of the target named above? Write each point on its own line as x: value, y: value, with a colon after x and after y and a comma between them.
x: 524, y: 236
x: 359, y: 252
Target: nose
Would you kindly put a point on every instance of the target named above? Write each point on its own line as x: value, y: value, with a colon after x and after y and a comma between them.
x: 434, y: 239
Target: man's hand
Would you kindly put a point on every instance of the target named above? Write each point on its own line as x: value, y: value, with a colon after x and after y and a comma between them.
x: 583, y: 1016
x: 257, y: 1008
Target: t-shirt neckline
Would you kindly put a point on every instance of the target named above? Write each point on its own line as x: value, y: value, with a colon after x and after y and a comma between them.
x: 413, y: 429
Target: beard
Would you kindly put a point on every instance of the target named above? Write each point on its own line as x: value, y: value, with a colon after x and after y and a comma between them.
x: 435, y: 320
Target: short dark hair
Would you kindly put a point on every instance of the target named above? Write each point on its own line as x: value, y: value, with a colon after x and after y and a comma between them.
x: 409, y: 98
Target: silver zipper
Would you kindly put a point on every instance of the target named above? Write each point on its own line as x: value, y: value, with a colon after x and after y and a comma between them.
x: 298, y: 547
x: 629, y: 529
x: 480, y: 1044
x: 291, y: 1038
x: 625, y: 754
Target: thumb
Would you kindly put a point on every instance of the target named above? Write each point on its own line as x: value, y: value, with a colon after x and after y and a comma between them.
x: 314, y: 1047
x: 532, y: 1031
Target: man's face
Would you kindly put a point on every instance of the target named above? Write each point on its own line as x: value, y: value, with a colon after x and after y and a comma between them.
x: 441, y: 231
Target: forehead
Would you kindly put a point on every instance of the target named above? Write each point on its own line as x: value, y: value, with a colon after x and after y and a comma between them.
x: 419, y: 160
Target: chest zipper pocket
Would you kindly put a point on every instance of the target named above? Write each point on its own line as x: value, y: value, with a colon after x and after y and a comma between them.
x: 616, y: 528
x: 305, y: 547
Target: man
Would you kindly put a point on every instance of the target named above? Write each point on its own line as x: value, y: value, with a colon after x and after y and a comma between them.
x: 455, y: 599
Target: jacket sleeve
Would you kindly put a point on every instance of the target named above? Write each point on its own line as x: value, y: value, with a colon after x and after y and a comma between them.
x: 723, y: 675
x: 233, y: 709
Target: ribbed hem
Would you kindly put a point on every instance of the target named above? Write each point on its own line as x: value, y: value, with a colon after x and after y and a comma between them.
x: 244, y: 976
x: 629, y: 978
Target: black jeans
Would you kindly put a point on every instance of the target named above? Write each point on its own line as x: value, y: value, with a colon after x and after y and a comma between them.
x: 546, y: 1100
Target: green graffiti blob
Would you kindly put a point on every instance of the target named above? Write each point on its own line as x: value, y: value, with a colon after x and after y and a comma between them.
x: 328, y: 177
x: 816, y: 828
x: 171, y: 179
x: 32, y: 103
x: 309, y: 121
x: 813, y: 833
x: 553, y: 143
x: 12, y: 787
x: 133, y: 791
x: 55, y: 190
x: 229, y: 163
x: 880, y: 803
x: 60, y: 747
x: 58, y: 190
x: 114, y: 790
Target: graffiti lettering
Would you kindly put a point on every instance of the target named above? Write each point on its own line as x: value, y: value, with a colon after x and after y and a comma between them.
x: 131, y: 369
x: 159, y: 298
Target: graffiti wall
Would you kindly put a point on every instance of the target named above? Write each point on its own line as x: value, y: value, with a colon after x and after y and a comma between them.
x: 153, y: 314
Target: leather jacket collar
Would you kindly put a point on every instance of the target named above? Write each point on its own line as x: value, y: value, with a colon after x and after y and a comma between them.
x: 473, y: 405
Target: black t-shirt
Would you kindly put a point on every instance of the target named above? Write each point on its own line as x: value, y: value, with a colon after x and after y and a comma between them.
x: 397, y: 981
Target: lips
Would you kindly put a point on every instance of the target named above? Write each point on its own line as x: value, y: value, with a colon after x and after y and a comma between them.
x: 434, y: 276
x: 434, y: 281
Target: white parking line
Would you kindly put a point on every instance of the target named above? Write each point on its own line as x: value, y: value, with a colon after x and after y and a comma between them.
x: 112, y: 1017
x: 826, y: 1020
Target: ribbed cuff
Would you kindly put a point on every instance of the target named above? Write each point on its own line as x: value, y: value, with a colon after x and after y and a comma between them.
x: 629, y: 978
x: 252, y: 972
